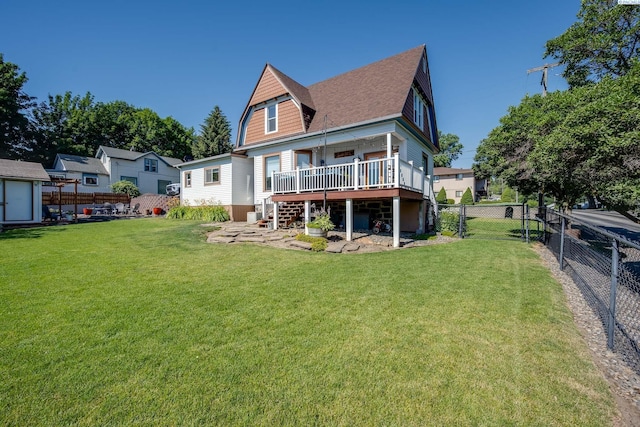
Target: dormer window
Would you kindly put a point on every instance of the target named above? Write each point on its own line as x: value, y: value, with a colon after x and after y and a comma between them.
x: 271, y: 119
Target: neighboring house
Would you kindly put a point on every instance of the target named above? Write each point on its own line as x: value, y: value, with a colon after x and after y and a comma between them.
x: 150, y: 172
x: 21, y: 191
x: 226, y: 179
x: 362, y: 143
x: 455, y: 181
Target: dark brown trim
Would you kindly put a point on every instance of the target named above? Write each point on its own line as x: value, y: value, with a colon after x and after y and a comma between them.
x: 350, y: 194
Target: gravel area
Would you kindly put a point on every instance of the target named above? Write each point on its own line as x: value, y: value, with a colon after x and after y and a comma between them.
x: 624, y: 382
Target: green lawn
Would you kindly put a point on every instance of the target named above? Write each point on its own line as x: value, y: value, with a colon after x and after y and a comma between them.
x: 139, y: 322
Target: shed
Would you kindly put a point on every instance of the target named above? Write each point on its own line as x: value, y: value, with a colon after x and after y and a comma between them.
x: 21, y: 191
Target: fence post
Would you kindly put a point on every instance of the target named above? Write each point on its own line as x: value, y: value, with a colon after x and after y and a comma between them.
x: 562, y: 226
x: 460, y: 222
x: 612, y: 296
x: 527, y: 220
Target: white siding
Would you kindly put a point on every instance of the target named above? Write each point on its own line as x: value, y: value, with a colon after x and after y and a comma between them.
x: 232, y: 189
x: 147, y: 181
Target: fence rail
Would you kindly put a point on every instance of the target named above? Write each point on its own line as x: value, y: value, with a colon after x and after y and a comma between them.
x: 606, y: 269
x: 68, y: 198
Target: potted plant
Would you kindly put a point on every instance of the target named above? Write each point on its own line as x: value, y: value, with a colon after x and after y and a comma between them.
x: 68, y: 215
x: 320, y: 225
x: 157, y: 211
x: 87, y: 211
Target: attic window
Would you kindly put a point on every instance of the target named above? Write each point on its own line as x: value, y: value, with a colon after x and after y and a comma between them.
x: 418, y: 109
x: 271, y: 118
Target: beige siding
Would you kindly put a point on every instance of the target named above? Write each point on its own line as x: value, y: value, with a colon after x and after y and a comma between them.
x: 289, y: 122
x: 268, y: 88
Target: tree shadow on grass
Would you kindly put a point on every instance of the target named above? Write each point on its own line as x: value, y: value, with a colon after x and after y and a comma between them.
x: 28, y: 233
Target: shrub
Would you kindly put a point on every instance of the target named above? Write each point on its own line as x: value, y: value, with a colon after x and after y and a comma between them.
x: 125, y: 187
x: 318, y: 244
x: 323, y: 222
x: 467, y: 197
x: 200, y: 213
x: 441, y: 198
x: 448, y: 222
x: 451, y: 202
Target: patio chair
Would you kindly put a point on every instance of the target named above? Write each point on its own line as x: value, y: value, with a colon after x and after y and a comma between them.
x: 136, y: 209
x: 119, y: 208
x: 47, y: 214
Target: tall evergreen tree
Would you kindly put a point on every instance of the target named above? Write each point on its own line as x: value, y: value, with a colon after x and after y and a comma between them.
x: 215, y: 136
x: 15, y: 126
x: 467, y: 197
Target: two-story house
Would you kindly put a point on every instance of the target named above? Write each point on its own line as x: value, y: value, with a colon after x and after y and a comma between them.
x: 455, y: 181
x: 360, y: 144
x: 150, y: 172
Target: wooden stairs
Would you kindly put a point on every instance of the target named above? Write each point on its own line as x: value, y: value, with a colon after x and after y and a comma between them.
x: 288, y: 213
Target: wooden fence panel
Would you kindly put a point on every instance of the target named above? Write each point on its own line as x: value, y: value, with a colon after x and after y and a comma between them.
x: 67, y: 198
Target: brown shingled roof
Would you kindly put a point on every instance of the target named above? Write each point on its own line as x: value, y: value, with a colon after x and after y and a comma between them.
x: 370, y: 92
x: 296, y: 90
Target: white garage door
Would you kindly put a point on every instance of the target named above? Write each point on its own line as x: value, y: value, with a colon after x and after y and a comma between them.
x: 18, y: 203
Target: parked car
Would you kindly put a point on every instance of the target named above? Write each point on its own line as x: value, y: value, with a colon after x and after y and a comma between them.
x: 173, y: 189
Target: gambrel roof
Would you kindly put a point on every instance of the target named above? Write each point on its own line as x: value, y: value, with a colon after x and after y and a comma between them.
x: 371, y: 92
x: 377, y: 91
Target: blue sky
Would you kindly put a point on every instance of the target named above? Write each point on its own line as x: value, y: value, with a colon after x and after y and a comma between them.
x: 182, y: 58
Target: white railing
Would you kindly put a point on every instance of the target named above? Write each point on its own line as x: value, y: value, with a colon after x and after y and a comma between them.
x: 388, y: 172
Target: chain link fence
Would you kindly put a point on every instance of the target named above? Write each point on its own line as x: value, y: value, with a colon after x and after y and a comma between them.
x: 606, y: 269
x: 498, y: 221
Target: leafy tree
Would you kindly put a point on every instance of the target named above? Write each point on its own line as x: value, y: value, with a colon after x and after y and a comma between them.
x: 450, y: 150
x: 77, y: 125
x: 15, y: 129
x: 125, y: 187
x: 603, y: 42
x: 441, y: 197
x: 215, y: 136
x: 467, y: 197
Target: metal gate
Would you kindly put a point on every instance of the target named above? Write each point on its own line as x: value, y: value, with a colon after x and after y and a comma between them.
x: 497, y: 221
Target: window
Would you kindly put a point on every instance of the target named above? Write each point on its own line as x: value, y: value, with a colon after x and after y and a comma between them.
x: 212, y: 175
x: 303, y: 159
x: 271, y: 165
x: 459, y: 177
x: 187, y: 179
x: 271, y: 118
x: 162, y: 186
x: 150, y: 165
x: 458, y: 193
x: 89, y: 179
x: 131, y: 179
x: 436, y: 178
x: 418, y: 109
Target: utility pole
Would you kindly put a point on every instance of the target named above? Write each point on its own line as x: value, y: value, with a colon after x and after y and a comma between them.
x: 544, y: 69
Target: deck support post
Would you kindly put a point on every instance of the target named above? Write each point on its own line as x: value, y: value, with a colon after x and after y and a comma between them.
x: 349, y: 219
x: 275, y: 215
x: 307, y: 215
x: 422, y: 214
x: 396, y: 222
